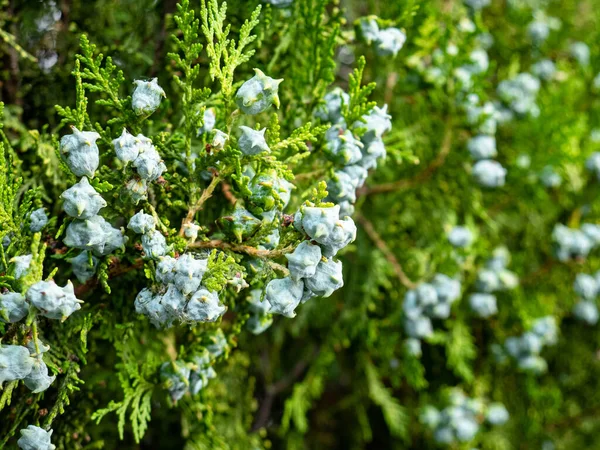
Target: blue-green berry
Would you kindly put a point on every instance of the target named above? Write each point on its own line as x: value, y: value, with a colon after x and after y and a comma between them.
x: 258, y: 93
x: 489, y: 173
x: 413, y: 347
x: 53, y: 301
x: 269, y: 190
x: 389, y: 41
x: 586, y: 311
x: 149, y: 164
x: 146, y: 96
x: 544, y: 69
x: 137, y: 190
x: 419, y: 327
x: 499, y: 260
x: 175, y: 376
x: 482, y: 147
x: 80, y: 152
x: 188, y: 272
x: 303, y: 262
x: 142, y: 223
x: 94, y: 234
x: 550, y: 178
x: 35, y: 438
x: 341, y: 146
x: 369, y: 28
x: 201, y: 373
x: 317, y: 222
x: 497, y: 414
x: 190, y: 231
x: 21, y: 265
x: 81, y: 200
x: 209, y: 120
x: 240, y: 223
x: 252, y: 142
x: 487, y: 281
x: 284, y: 295
x: 259, y: 324
x: 84, y: 266
x: 327, y: 279
x: 204, y: 306
x: 484, y: 305
x: 447, y: 289
x: 149, y: 304
x: 342, y: 234
x: 15, y: 363
x: 173, y: 301
x: 256, y: 305
x: 377, y: 122
x: 219, y: 140
x: 460, y: 237
x: 217, y: 343
x: 547, y: 329
x: 154, y: 244
x: 38, y: 219
x: 333, y: 102
x: 13, y: 307
x: 40, y: 349
x: 38, y: 379
x: 165, y: 269
x: 127, y: 146
x: 342, y: 187
x: 372, y: 151
x: 593, y: 164
x: 581, y: 52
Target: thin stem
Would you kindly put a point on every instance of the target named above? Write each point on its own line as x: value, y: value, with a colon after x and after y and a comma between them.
x: 206, y: 194
x: 238, y: 248
x: 34, y: 331
x: 389, y: 255
x: 421, y: 177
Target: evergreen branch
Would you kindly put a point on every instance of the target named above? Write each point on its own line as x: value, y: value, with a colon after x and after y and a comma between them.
x: 359, y: 103
x: 68, y: 386
x: 394, y: 414
x: 224, y: 53
x: 197, y: 206
x: 191, y: 96
x: 300, y: 137
x: 461, y: 350
x: 239, y: 248
x: 381, y: 245
x: 12, y: 41
x: 101, y: 74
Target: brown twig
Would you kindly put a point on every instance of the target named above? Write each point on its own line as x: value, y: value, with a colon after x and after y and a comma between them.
x: 381, y: 245
x: 570, y: 421
x: 240, y: 248
x: 226, y: 188
x: 310, y: 175
x: 421, y: 177
x: 533, y: 276
x: 390, y: 83
x: 206, y: 194
x: 115, y: 271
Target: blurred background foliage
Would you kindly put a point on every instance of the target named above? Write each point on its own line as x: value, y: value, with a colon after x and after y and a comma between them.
x: 338, y: 376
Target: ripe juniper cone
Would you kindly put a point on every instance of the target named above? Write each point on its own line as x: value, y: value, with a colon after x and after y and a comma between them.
x: 196, y: 206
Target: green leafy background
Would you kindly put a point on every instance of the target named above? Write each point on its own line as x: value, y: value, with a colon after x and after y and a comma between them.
x: 337, y: 376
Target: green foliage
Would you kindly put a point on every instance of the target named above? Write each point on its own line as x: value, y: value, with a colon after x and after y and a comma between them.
x: 394, y: 414
x: 226, y: 54
x: 340, y: 374
x: 359, y: 103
